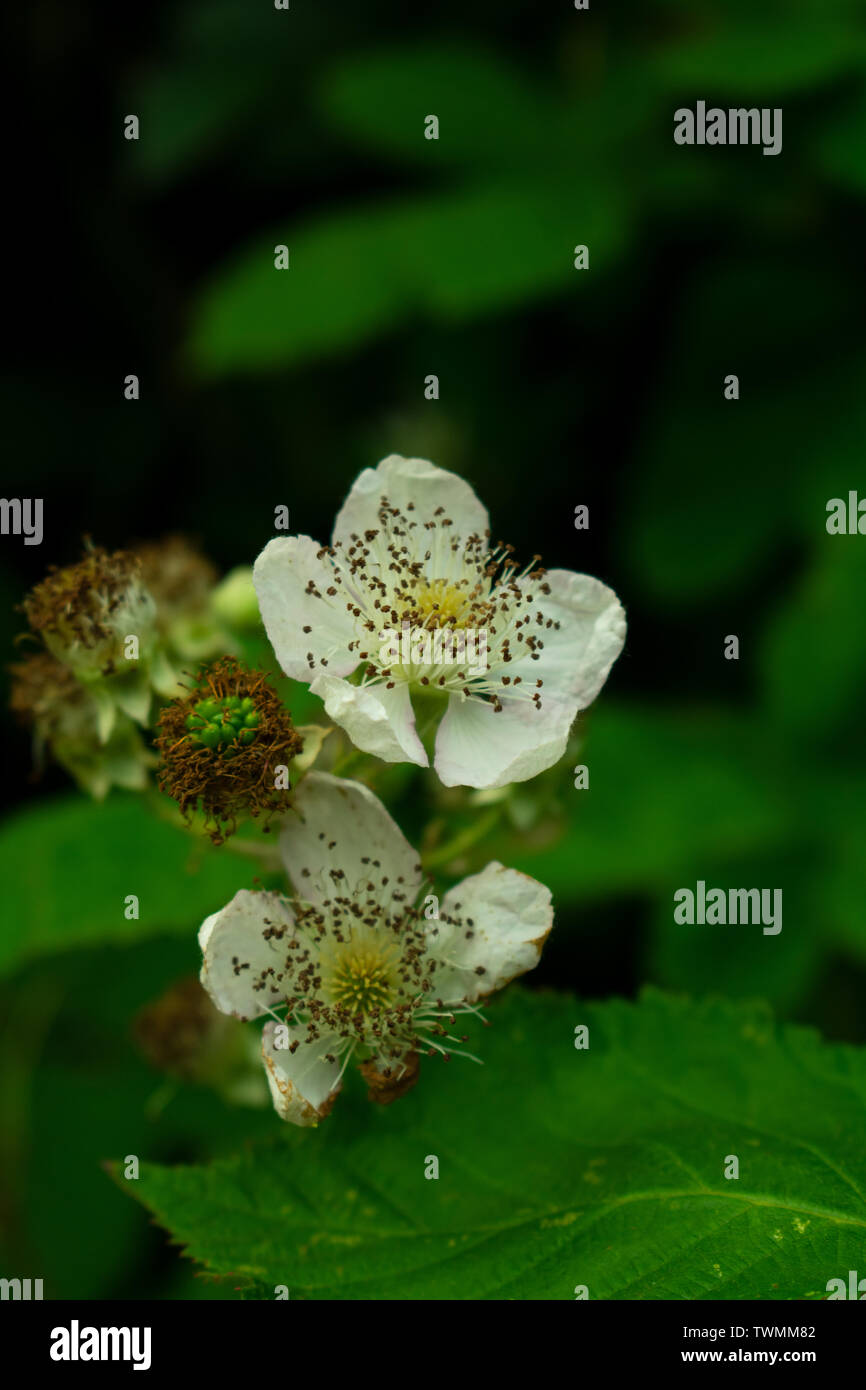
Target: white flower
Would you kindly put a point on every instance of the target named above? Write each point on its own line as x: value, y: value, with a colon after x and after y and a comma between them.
x: 411, y: 547
x: 359, y: 968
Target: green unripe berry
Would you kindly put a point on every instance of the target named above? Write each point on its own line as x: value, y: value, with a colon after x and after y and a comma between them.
x: 223, y: 724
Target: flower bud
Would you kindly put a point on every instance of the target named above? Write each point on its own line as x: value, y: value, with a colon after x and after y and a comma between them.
x: 234, y: 600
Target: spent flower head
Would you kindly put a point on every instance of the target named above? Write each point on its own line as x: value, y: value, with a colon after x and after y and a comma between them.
x: 98, y: 619
x: 84, y: 612
x: 183, y: 583
x: 222, y: 747
x: 356, y: 964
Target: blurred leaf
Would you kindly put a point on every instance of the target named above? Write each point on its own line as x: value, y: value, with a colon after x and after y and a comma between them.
x: 601, y: 1167
x: 354, y: 275
x: 761, y: 60
x: 841, y: 145
x: 226, y: 28
x: 88, y: 1098
x: 834, y: 801
x: 221, y: 68
x: 719, y: 485
x: 488, y: 111
x: 738, y: 960
x: 813, y: 656
x: 186, y: 113
x: 69, y: 864
x: 82, y: 1234
x: 665, y: 790
x: 83, y: 1243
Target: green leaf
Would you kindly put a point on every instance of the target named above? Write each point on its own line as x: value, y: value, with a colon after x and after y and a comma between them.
x: 488, y: 112
x: 835, y: 803
x: 218, y: 72
x: 560, y: 1167
x: 68, y: 866
x: 767, y: 462
x: 353, y: 276
x: 739, y: 960
x: 813, y: 672
x: 763, y: 61
x: 841, y: 147
x: 84, y: 1091
x: 665, y: 790
x: 185, y: 113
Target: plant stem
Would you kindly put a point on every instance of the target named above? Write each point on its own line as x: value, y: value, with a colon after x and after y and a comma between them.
x: 464, y: 841
x: 349, y: 760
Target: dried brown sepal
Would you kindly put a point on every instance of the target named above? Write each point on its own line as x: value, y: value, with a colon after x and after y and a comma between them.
x: 386, y: 1087
x: 203, y: 778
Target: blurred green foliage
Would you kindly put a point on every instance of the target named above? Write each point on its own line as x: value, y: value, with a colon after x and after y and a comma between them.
x: 71, y: 864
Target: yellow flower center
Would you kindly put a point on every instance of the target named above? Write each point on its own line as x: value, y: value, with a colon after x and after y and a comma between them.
x: 362, y: 978
x: 442, y: 604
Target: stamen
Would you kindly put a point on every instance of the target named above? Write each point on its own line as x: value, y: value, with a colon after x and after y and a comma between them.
x: 417, y: 586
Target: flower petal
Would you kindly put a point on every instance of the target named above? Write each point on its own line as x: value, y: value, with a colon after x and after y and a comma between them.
x: 404, y: 481
x: 503, y: 918
x: 377, y: 720
x: 241, y: 965
x: 577, y: 657
x: 338, y: 825
x: 478, y: 747
x: 281, y: 576
x: 303, y: 1085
